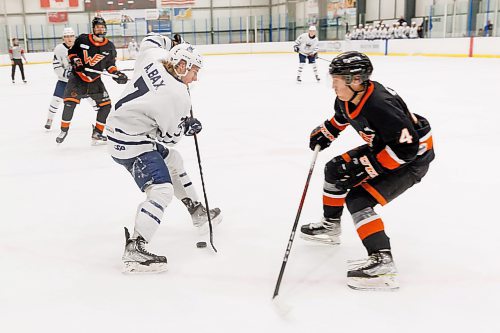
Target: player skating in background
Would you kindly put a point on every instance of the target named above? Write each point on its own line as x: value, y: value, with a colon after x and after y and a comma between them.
x: 90, y: 51
x: 62, y: 68
x: 133, y: 48
x: 306, y: 46
x: 16, y: 55
x: 154, y: 110
x: 397, y: 155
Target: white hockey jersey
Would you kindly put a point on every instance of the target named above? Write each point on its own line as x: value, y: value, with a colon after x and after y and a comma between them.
x: 153, y: 107
x: 60, y: 62
x: 306, y: 44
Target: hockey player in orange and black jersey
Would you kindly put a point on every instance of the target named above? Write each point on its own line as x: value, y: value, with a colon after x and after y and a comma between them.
x: 397, y: 155
x: 95, y: 52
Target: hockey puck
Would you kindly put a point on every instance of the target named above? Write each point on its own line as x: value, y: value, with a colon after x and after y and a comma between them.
x: 201, y: 245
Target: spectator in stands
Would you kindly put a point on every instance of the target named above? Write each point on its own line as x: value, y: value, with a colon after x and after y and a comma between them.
x: 480, y: 32
x: 402, y: 20
x: 488, y: 29
x: 413, y: 30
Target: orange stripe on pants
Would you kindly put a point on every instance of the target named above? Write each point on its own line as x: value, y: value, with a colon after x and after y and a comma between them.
x: 335, y: 202
x: 370, y: 228
x: 376, y: 194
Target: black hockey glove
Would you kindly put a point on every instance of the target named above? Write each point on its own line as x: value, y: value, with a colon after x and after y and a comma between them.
x: 315, y: 55
x: 120, y: 77
x: 296, y: 49
x: 192, y: 126
x: 322, y: 136
x: 354, y: 167
x: 78, y: 65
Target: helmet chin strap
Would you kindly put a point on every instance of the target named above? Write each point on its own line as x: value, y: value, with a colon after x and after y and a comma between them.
x: 356, y: 93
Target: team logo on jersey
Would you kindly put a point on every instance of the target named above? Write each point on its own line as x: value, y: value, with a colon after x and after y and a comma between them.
x: 368, y: 135
x: 92, y: 61
x: 85, y: 47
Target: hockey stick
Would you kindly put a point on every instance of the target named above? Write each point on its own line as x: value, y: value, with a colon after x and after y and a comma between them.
x: 306, y: 55
x: 294, y: 228
x: 204, y: 191
x: 114, y: 76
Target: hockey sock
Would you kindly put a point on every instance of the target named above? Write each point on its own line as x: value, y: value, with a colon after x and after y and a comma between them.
x: 54, y: 106
x: 371, y: 231
x: 315, y: 69
x: 150, y: 212
x: 333, y: 201
x: 301, y: 67
x: 183, y: 187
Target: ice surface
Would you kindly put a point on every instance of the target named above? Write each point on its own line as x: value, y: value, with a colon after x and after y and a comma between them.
x: 64, y: 208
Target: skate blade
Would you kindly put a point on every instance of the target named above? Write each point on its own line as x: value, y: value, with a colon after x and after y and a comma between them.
x: 135, y: 267
x: 204, y: 228
x: 97, y: 142
x: 382, y: 283
x: 323, y: 240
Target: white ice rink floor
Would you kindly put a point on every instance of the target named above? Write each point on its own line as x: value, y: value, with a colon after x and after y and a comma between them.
x: 64, y: 208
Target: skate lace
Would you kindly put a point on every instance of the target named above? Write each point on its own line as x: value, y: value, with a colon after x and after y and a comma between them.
x: 372, y: 260
x: 140, y: 247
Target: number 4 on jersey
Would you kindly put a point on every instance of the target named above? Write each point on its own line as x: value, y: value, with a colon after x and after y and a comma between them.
x: 405, y: 136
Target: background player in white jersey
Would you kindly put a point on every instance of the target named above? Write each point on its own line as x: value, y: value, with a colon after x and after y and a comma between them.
x: 306, y: 45
x: 155, y: 110
x: 62, y: 68
x: 133, y: 48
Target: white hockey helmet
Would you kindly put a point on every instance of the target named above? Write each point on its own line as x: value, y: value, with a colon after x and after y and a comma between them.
x: 68, y: 32
x: 312, y: 28
x: 187, y: 53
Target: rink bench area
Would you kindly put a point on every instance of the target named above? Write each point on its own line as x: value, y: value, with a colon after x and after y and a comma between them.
x: 480, y: 47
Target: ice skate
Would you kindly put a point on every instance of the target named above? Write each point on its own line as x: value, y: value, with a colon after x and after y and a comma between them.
x: 377, y: 273
x: 299, y: 80
x: 199, y: 215
x: 97, y: 137
x: 13, y: 81
x: 137, y: 260
x: 62, y: 136
x: 48, y: 124
x: 317, y: 78
x: 327, y: 231
x: 24, y: 81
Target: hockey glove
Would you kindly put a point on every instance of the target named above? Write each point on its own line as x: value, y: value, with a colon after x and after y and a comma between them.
x: 78, y: 65
x: 296, y: 48
x: 192, y: 126
x: 120, y: 77
x: 322, y: 136
x: 354, y: 167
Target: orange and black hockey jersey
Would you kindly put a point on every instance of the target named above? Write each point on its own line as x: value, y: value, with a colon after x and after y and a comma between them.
x: 100, y: 56
x: 395, y: 135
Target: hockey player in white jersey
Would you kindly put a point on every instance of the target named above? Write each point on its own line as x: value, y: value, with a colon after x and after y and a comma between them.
x: 62, y: 68
x: 306, y: 45
x: 154, y: 110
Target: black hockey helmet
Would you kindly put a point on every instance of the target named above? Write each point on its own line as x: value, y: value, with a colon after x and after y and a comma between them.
x: 351, y: 63
x: 177, y: 39
x: 99, y: 21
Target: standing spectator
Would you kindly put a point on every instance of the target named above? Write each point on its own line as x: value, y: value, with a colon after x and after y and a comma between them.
x: 480, y: 33
x: 488, y: 29
x: 420, y: 30
x: 16, y: 54
x: 402, y: 20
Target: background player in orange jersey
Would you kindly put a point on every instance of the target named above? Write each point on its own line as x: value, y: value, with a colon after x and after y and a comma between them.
x: 95, y: 52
